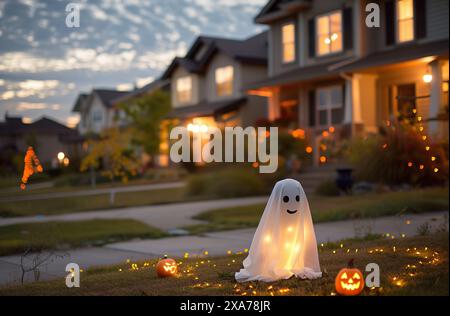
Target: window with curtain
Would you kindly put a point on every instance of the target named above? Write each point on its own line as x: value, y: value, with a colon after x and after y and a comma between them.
x: 329, y: 33
x: 405, y: 20
x: 224, y: 80
x: 184, y: 89
x: 288, y: 42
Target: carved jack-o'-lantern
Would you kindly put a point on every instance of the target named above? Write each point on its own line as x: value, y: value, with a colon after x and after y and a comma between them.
x: 166, y: 267
x: 349, y: 281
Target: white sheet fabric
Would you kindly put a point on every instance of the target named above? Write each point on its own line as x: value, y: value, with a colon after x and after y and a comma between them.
x: 284, y: 243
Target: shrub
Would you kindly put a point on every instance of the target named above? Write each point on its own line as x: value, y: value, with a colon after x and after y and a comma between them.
x: 401, y: 153
x: 327, y: 188
x: 227, y: 183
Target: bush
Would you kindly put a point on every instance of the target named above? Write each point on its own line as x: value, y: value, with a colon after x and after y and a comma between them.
x: 227, y: 183
x: 327, y: 188
x: 401, y: 153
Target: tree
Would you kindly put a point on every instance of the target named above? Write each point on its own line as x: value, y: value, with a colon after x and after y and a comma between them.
x: 146, y: 114
x: 113, y: 149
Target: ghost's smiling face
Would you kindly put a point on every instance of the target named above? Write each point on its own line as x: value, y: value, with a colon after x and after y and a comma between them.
x: 290, y: 199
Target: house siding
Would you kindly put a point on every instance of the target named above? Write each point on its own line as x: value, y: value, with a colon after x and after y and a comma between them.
x: 437, y: 19
x: 276, y: 66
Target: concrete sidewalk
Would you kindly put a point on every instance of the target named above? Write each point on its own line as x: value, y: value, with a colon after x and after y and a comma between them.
x: 217, y: 244
x: 166, y: 216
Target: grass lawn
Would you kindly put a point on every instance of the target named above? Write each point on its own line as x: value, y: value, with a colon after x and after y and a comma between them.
x: 13, y: 189
x: 64, y: 205
x: 326, y: 209
x: 62, y: 235
x: 416, y: 266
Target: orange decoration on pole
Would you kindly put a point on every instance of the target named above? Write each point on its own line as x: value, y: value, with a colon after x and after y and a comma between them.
x: 31, y: 166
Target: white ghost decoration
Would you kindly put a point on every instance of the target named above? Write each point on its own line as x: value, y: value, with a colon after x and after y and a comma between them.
x: 284, y: 243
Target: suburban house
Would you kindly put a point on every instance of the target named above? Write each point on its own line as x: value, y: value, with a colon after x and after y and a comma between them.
x: 97, y: 110
x: 207, y: 83
x: 48, y: 138
x: 337, y: 75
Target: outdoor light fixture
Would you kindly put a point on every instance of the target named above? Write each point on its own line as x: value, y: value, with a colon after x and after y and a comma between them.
x: 61, y: 156
x: 197, y: 126
x: 427, y: 78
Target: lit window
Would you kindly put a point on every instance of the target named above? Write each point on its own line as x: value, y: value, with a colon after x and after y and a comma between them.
x: 405, y: 20
x: 224, y: 80
x: 329, y: 105
x: 288, y: 42
x: 184, y: 89
x: 329, y: 33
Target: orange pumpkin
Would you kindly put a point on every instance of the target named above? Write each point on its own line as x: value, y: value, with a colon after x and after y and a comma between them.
x: 166, y: 267
x: 349, y: 281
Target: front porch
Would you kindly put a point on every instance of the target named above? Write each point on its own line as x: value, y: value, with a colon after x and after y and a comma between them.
x: 342, y: 105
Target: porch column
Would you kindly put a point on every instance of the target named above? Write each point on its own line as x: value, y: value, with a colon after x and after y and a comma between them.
x: 274, y: 105
x: 435, y: 95
x: 357, y: 97
x: 348, y: 114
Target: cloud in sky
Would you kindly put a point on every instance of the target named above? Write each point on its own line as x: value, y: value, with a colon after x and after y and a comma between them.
x: 119, y: 43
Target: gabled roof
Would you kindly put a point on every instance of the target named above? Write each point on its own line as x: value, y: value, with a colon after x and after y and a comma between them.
x: 79, y: 102
x: 250, y: 50
x: 15, y: 126
x: 108, y: 96
x: 277, y: 9
x: 148, y: 88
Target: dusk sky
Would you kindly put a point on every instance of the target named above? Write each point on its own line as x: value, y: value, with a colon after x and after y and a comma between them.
x: 120, y: 43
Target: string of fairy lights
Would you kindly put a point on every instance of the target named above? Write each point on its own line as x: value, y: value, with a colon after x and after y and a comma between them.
x: 198, y: 269
x: 328, y: 133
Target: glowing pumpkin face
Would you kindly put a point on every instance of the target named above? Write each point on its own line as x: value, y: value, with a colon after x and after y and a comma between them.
x: 349, y: 282
x: 166, y: 267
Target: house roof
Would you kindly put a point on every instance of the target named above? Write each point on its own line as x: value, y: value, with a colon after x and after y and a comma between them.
x: 398, y: 54
x: 250, y: 50
x: 78, y: 103
x: 108, y: 96
x: 297, y: 75
x: 206, y: 108
x: 148, y: 88
x: 14, y: 126
x: 277, y: 9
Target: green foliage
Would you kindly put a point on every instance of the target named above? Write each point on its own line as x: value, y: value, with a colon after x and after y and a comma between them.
x: 399, y: 154
x: 113, y: 151
x: 327, y: 188
x: 146, y: 114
